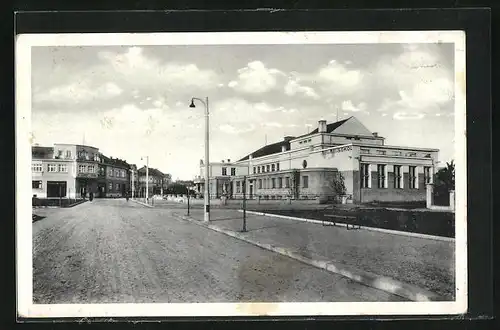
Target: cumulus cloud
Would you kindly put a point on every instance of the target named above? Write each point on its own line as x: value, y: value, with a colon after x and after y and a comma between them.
x: 293, y: 87
x: 401, y: 115
x: 134, y: 66
x: 79, y: 92
x: 349, y: 106
x: 236, y: 129
x: 255, y: 78
x: 423, y: 80
x: 338, y: 79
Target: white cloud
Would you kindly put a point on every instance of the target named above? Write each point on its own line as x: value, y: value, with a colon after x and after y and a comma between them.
x: 408, y: 115
x: 424, y: 82
x: 139, y: 69
x: 236, y: 129
x: 255, y: 78
x: 272, y: 124
x: 337, y: 79
x: 293, y: 87
x: 78, y: 92
x: 349, y: 106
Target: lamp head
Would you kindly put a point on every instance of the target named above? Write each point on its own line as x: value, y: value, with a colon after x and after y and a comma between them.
x: 192, y: 104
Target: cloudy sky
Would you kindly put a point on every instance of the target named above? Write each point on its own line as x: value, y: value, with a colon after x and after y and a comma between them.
x: 134, y: 101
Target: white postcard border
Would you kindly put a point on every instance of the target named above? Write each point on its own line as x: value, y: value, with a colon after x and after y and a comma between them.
x: 23, y: 174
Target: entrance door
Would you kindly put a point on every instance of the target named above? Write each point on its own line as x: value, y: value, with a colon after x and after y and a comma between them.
x: 251, y: 192
x: 56, y: 188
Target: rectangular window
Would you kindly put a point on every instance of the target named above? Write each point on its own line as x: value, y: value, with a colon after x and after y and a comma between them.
x: 68, y: 154
x: 233, y: 171
x: 427, y: 174
x: 37, y: 167
x: 52, y: 168
x: 36, y: 184
x: 110, y: 186
x: 238, y: 187
x: 258, y: 169
x: 412, y: 177
x: 273, y: 183
x: 365, y: 176
x: 224, y: 171
x: 117, y: 186
x: 305, y: 181
x: 280, y: 182
x: 254, y: 170
x: 287, y: 182
x: 397, y: 177
x: 260, y: 183
x: 81, y: 168
x: 267, y: 168
x: 277, y: 166
x: 63, y: 168
x: 110, y: 172
x: 272, y: 167
x: 381, y: 176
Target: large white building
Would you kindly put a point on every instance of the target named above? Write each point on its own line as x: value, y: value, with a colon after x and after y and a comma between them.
x: 302, y: 167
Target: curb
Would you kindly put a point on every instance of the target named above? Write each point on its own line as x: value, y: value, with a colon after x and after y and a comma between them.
x: 340, y: 224
x: 385, y: 284
x: 144, y: 204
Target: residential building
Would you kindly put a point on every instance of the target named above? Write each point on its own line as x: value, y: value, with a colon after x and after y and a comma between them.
x: 113, y: 178
x: 65, y: 170
x: 304, y: 167
x: 158, y: 181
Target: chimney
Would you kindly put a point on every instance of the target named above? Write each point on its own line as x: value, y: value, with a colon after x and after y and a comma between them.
x: 322, y: 126
x: 228, y: 160
x: 223, y: 161
x: 375, y: 134
x: 283, y: 148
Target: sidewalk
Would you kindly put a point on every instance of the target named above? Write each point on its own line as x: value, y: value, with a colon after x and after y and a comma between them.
x: 426, y: 264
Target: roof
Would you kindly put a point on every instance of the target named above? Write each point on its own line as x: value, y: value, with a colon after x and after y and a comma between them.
x: 329, y: 128
x: 151, y: 171
x: 276, y: 147
x: 268, y: 150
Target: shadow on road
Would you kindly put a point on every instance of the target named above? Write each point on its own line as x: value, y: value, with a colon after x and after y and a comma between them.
x: 36, y: 218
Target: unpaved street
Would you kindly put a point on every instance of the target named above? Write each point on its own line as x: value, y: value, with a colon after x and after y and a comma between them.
x: 117, y: 251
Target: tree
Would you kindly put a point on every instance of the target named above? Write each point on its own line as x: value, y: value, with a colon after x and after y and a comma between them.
x: 337, y: 185
x: 445, y: 177
x: 294, y: 181
x: 444, y: 181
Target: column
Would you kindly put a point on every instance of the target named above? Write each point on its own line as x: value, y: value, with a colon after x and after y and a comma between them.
x: 429, y: 195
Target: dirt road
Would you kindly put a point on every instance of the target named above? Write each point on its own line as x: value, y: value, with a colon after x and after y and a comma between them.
x: 117, y: 251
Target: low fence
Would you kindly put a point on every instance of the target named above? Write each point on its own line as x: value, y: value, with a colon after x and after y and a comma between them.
x: 56, y: 202
x: 422, y: 222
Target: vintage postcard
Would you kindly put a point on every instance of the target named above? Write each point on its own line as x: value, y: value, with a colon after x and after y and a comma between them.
x: 241, y: 174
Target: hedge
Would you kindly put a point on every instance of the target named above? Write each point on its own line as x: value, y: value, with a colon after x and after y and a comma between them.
x: 422, y: 222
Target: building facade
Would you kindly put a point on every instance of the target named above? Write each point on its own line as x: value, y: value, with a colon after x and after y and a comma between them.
x: 114, y: 177
x: 65, y: 170
x: 74, y: 171
x: 158, y: 181
x: 305, y: 167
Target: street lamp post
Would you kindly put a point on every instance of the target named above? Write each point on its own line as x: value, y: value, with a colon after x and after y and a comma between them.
x: 147, y: 178
x: 206, y: 216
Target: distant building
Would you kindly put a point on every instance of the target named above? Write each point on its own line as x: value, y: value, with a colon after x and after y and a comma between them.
x: 303, y: 167
x: 72, y: 171
x: 158, y: 181
x: 113, y: 178
x: 65, y: 170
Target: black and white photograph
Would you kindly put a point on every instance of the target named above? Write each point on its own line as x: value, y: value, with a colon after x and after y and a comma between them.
x: 241, y: 174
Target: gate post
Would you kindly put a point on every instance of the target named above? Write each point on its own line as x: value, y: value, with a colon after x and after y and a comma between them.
x: 429, y: 195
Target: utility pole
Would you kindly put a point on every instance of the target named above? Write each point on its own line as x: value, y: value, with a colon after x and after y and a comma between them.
x: 188, y: 198
x: 244, y: 204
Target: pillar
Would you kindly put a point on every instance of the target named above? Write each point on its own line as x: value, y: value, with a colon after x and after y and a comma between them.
x: 452, y: 200
x: 429, y: 195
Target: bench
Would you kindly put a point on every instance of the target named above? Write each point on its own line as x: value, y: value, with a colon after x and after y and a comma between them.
x: 350, y: 221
